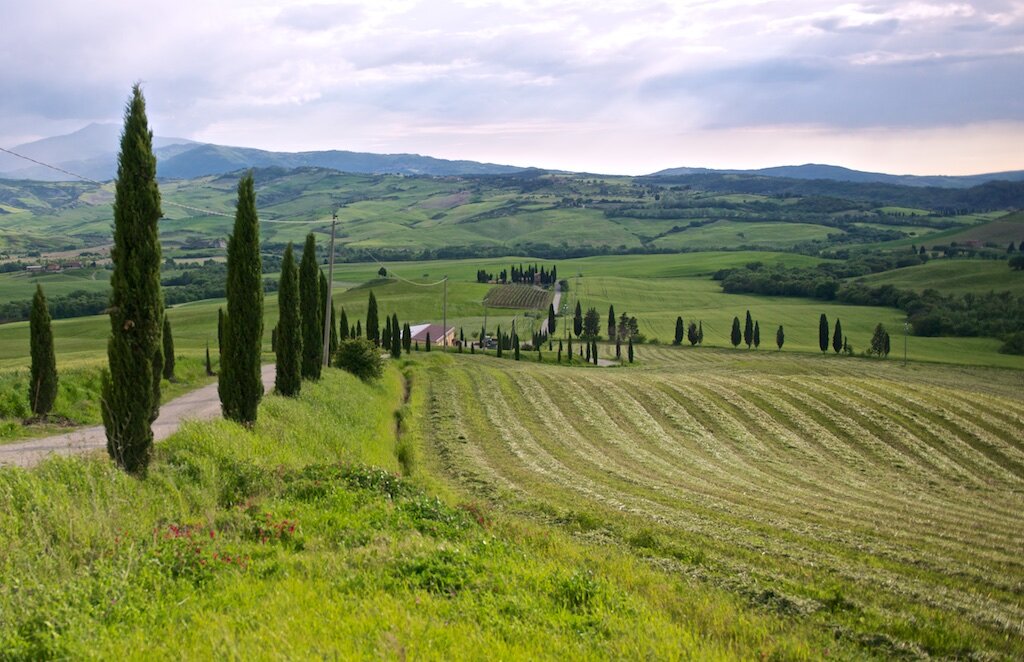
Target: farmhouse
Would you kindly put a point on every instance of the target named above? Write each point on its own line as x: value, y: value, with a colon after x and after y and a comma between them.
x: 420, y: 332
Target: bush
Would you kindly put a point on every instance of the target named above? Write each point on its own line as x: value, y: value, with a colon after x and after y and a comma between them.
x: 1014, y: 344
x: 360, y: 357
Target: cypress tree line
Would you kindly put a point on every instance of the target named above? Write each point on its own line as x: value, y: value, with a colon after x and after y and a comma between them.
x: 310, y: 311
x: 396, y: 338
x: 168, y: 350
x: 577, y: 320
x: 780, y: 337
x: 629, y: 350
x: 372, y: 323
x: 131, y: 388
x: 42, y: 387
x: 678, y: 340
x: 735, y: 337
x: 823, y: 333
x: 757, y: 334
x: 748, y: 331
x: 837, y: 337
x: 343, y: 325
x: 240, y: 384
x: 288, y: 380
x: 611, y: 322
x: 220, y: 330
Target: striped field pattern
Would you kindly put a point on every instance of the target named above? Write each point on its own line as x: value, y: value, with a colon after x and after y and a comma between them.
x: 885, y: 502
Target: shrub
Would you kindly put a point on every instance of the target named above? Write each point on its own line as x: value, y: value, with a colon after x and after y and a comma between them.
x: 360, y: 357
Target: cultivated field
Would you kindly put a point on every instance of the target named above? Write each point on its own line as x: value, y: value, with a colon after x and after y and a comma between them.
x: 880, y: 503
x: 520, y: 297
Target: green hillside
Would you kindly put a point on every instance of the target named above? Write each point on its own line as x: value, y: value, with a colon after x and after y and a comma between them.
x: 954, y: 276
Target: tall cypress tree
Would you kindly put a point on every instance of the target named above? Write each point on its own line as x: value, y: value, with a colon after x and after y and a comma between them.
x: 311, y: 311
x: 577, y: 320
x: 168, y: 350
x: 748, y: 331
x: 42, y: 388
x: 593, y: 352
x: 427, y: 342
x: 700, y: 332
x: 396, y: 337
x: 372, y: 322
x: 629, y: 350
x: 209, y: 365
x: 823, y: 333
x: 837, y: 337
x: 131, y: 388
x: 343, y: 331
x: 780, y: 337
x: 385, y: 337
x: 691, y: 334
x: 498, y: 353
x: 220, y: 330
x: 735, y: 336
x: 757, y: 334
x: 678, y: 340
x: 611, y: 323
x: 407, y: 337
x: 552, y: 319
x: 288, y: 380
x: 240, y: 384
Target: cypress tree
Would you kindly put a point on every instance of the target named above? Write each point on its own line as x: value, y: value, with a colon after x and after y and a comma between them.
x: 220, y: 330
x: 168, y: 350
x: 273, y: 339
x: 559, y: 351
x: 570, y: 350
x: 43, y: 377
x: 748, y: 331
x: 678, y: 340
x: 735, y: 337
x: 500, y: 343
x: 611, y: 323
x: 288, y: 380
x: 552, y: 319
x: 618, y: 349
x: 691, y: 334
x: 757, y: 334
x: 359, y: 329
x: 823, y: 333
x: 407, y: 337
x: 593, y: 353
x: 515, y: 345
x: 780, y: 337
x: 837, y: 337
x: 577, y: 320
x: 427, y: 343
x: 700, y: 332
x: 886, y: 345
x: 385, y: 338
x: 396, y: 338
x: 629, y: 350
x: 588, y: 352
x: 310, y: 311
x: 343, y: 326
x: 131, y: 388
x: 372, y: 323
x: 209, y: 366
x: 877, y: 346
x: 241, y: 385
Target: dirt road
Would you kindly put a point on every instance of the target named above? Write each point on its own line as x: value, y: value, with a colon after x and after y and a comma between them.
x: 201, y: 404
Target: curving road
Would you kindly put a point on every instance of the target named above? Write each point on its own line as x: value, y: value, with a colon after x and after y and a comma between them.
x: 201, y: 404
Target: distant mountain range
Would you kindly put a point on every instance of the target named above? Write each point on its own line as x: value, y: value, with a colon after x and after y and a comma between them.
x: 840, y: 174
x: 92, y: 152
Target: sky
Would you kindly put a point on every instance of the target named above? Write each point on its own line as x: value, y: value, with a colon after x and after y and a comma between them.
x: 906, y: 87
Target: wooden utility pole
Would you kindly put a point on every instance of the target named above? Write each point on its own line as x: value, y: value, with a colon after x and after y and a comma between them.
x: 330, y: 293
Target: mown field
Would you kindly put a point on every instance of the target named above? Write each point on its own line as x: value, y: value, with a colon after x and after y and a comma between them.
x: 878, y: 503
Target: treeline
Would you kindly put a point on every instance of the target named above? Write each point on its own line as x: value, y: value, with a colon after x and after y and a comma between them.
x: 78, y: 303
x: 930, y: 313
x: 531, y: 274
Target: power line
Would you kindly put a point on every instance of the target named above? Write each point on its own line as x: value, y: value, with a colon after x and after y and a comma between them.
x: 404, y: 280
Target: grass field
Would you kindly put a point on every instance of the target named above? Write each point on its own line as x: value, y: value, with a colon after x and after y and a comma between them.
x: 954, y: 277
x: 877, y: 503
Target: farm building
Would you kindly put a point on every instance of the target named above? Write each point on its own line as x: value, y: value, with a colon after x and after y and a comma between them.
x: 420, y: 332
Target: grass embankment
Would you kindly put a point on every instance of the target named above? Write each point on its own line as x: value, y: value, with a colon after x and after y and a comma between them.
x: 277, y: 542
x: 78, y: 398
x: 850, y: 496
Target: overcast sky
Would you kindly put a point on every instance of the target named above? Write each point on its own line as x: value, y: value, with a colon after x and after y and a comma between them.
x: 608, y: 86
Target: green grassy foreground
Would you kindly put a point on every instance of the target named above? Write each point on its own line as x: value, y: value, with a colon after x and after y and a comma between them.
x: 279, y: 542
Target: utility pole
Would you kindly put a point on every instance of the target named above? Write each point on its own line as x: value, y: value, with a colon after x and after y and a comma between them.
x: 330, y: 293
x: 444, y: 313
